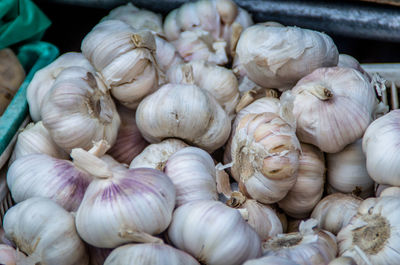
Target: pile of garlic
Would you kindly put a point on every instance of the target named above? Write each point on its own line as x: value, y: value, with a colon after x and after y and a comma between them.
x: 124, y: 164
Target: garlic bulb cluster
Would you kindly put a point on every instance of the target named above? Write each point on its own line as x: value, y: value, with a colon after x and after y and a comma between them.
x: 335, y: 211
x: 265, y: 157
x: 371, y: 236
x: 193, y: 173
x: 270, y: 260
x: 380, y: 148
x: 219, y: 81
x: 43, y: 80
x: 333, y: 107
x: 78, y: 110
x: 122, y: 205
x: 308, y: 246
x: 347, y: 172
x: 124, y: 57
x: 213, y: 233
x: 156, y: 155
x: 149, y: 254
x: 169, y: 113
x: 35, y: 139
x: 307, y: 191
x: 277, y: 57
x: 45, y: 232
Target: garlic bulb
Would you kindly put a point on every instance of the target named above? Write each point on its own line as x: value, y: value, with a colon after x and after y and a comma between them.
x: 270, y: 260
x: 219, y: 81
x: 156, y: 155
x: 35, y: 139
x: 149, y: 254
x: 350, y: 62
x: 166, y: 54
x: 122, y: 205
x: 169, y: 113
x: 308, y: 246
x: 78, y: 110
x: 335, y: 211
x: 371, y: 236
x: 124, y: 57
x: 129, y: 141
x: 328, y: 97
x: 192, y: 171
x: 98, y: 255
x: 44, y: 231
x: 343, y: 261
x: 213, y: 233
x: 8, y: 255
x: 277, y: 57
x: 380, y: 148
x: 391, y: 191
x: 307, y: 191
x: 347, y: 172
x: 43, y: 80
x: 265, y: 157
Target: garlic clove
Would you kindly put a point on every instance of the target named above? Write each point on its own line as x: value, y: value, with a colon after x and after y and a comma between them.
x: 270, y: 260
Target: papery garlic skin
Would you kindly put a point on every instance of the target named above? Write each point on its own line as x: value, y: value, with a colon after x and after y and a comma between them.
x: 265, y: 157
x: 156, y: 155
x: 335, y: 211
x: 35, y: 139
x: 347, y: 171
x: 371, y: 236
x: 46, y: 232
x: 149, y: 254
x: 277, y: 57
x: 192, y: 171
x: 351, y: 62
x: 307, y: 191
x: 78, y: 110
x: 213, y: 233
x: 328, y: 97
x: 270, y: 260
x: 43, y: 80
x: 380, y: 148
x: 307, y: 247
x: 169, y: 113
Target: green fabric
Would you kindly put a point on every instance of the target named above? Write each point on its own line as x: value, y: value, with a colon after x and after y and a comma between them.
x: 21, y: 21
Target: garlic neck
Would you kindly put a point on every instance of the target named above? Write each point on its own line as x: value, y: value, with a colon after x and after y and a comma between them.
x: 139, y: 236
x: 319, y: 91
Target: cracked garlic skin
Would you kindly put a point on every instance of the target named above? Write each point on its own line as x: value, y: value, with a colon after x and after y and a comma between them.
x: 265, y: 157
x: 45, y: 232
x: 213, y: 233
x: 149, y: 254
x: 335, y: 211
x: 307, y: 191
x: 328, y: 97
x: 124, y: 58
x: 371, y: 236
x: 44, y: 79
x: 277, y: 57
x: 169, y: 112
x: 380, y: 146
x: 270, y: 260
x: 309, y: 246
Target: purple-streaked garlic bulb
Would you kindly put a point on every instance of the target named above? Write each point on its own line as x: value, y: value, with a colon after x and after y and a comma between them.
x: 213, y: 233
x: 333, y: 107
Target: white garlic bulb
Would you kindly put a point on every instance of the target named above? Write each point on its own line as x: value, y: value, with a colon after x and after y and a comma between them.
x: 124, y: 57
x: 43, y: 80
x: 156, y: 155
x: 391, y: 191
x: 347, y: 171
x: 335, y: 211
x: 78, y: 110
x: 166, y: 54
x: 169, y: 113
x: 346, y: 60
x: 122, y: 205
x: 328, y: 97
x: 380, y: 148
x: 43, y: 230
x: 343, y: 261
x: 371, y: 236
x: 219, y: 81
x: 270, y: 260
x: 277, y: 57
x: 213, y: 233
x: 193, y: 173
x: 149, y: 254
x: 307, y: 191
x: 265, y: 157
x: 35, y: 139
x: 309, y: 246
